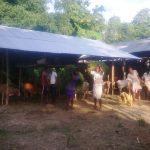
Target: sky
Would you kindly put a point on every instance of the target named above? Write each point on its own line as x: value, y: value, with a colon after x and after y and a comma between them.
x: 125, y: 9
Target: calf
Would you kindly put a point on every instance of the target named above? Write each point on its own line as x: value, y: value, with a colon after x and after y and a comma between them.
x: 106, y: 87
x: 11, y: 92
x: 122, y: 84
x: 29, y: 89
x: 85, y: 88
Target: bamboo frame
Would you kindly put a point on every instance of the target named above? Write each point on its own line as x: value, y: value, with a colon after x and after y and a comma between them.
x: 2, y: 69
x: 124, y: 69
x: 20, y: 72
x: 113, y: 77
x: 7, y: 77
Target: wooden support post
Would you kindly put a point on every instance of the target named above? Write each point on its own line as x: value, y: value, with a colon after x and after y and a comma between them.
x: 7, y: 77
x: 2, y: 68
x: 124, y: 70
x: 113, y: 77
x: 20, y: 70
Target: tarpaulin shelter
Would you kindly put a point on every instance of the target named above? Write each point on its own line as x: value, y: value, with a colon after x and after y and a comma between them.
x: 140, y: 48
x: 34, y: 41
x: 25, y: 46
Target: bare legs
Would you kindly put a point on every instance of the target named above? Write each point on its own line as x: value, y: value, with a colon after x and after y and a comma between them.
x: 100, y: 104
x: 97, y: 102
x: 138, y: 96
x: 70, y: 103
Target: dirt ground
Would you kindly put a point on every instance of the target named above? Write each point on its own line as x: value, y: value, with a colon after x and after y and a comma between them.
x: 32, y: 126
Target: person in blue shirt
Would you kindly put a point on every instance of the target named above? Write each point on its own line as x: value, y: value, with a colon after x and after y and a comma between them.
x: 71, y: 88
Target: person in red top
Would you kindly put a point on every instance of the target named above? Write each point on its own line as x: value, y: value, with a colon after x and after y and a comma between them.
x: 45, y: 84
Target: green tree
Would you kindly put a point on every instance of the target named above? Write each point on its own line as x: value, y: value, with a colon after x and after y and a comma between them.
x: 141, y: 23
x: 113, y: 32
x: 83, y: 22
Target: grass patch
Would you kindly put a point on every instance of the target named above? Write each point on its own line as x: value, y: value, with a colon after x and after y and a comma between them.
x: 24, y: 131
x: 120, y: 125
x: 71, y: 140
x: 3, y: 133
x: 141, y: 122
x: 64, y: 130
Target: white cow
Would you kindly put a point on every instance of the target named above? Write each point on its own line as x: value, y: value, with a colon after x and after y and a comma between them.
x: 146, y: 78
x: 121, y: 84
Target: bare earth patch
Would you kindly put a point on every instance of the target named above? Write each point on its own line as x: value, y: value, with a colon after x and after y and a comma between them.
x: 32, y: 126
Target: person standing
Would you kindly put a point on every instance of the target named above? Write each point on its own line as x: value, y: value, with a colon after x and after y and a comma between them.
x: 98, y: 75
x: 53, y: 81
x: 44, y: 83
x: 134, y: 82
x: 146, y: 80
x: 71, y: 88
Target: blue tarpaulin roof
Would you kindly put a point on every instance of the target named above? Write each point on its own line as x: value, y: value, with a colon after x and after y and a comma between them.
x: 28, y: 40
x: 140, y: 48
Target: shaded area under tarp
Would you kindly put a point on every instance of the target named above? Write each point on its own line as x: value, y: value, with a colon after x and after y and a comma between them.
x: 23, y: 58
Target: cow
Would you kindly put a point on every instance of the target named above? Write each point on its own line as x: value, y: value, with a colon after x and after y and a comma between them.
x: 85, y: 88
x: 29, y: 89
x: 106, y: 87
x: 12, y: 91
x: 122, y: 84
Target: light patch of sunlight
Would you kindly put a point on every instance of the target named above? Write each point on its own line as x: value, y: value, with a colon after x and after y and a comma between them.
x: 80, y: 108
x: 88, y: 102
x: 125, y: 114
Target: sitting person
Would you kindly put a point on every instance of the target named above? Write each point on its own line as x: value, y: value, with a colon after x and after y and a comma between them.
x: 134, y: 83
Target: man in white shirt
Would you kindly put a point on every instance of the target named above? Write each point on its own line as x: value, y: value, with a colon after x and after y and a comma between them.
x: 53, y: 80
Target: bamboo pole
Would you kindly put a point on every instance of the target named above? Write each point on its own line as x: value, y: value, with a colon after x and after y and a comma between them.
x: 7, y: 77
x: 2, y: 69
x: 124, y: 70
x: 20, y: 71
x: 113, y: 77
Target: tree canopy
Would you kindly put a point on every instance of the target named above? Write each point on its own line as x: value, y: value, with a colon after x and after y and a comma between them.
x: 72, y: 17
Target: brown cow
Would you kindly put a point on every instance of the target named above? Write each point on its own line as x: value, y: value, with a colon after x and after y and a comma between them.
x: 106, y: 87
x: 29, y: 89
x: 11, y: 92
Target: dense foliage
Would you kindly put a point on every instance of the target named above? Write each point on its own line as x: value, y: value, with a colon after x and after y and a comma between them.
x: 72, y: 17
